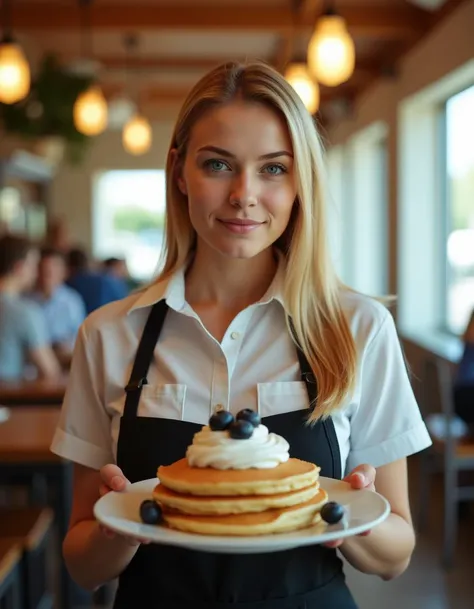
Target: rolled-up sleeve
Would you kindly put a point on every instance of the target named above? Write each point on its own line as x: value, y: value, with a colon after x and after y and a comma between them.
x: 83, y: 434
x: 387, y: 424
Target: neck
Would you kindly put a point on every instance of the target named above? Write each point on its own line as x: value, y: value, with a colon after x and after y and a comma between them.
x: 9, y: 285
x: 229, y: 282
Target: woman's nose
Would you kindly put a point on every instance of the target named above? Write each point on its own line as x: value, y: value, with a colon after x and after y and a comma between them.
x: 244, y: 191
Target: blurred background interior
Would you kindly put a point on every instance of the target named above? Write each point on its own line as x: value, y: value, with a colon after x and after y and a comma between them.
x: 89, y: 91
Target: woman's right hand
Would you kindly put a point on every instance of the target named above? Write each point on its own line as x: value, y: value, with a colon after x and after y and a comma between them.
x: 114, y: 480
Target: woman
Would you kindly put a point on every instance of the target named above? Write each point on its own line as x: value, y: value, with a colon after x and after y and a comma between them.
x: 246, y: 313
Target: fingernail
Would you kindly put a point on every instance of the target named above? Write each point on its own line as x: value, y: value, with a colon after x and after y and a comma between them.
x: 117, y: 482
x: 360, y: 476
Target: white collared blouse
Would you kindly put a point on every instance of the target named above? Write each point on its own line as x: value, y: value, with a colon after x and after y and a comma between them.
x: 255, y: 366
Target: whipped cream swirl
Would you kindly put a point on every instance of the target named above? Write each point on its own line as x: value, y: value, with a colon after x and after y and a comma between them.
x: 263, y: 450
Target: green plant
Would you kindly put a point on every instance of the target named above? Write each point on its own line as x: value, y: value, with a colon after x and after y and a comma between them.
x: 48, y: 109
x: 135, y: 219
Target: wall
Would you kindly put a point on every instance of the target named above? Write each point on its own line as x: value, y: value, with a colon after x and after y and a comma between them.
x: 71, y: 195
x: 439, y: 66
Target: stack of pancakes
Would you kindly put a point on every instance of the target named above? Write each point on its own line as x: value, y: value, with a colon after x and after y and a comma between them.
x: 240, y: 502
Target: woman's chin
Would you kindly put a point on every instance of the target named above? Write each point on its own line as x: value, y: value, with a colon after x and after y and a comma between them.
x: 242, y: 251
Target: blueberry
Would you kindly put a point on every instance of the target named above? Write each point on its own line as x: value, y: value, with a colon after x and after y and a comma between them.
x: 332, y: 512
x: 150, y: 512
x: 241, y: 430
x: 221, y: 420
x: 249, y: 415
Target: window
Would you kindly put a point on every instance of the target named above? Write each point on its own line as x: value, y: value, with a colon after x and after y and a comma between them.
x: 128, y: 220
x: 459, y: 137
x: 366, y: 210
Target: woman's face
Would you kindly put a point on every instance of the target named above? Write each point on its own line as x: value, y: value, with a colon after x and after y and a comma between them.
x: 239, y: 180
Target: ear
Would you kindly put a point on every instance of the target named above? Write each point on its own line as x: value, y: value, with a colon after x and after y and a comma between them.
x: 178, y: 171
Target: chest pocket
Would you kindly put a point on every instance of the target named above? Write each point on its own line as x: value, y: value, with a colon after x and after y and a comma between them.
x: 281, y: 397
x: 162, y: 401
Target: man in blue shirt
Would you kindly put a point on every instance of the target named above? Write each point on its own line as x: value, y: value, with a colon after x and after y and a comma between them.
x: 95, y: 287
x: 464, y: 381
x: 23, y: 334
x: 62, y: 306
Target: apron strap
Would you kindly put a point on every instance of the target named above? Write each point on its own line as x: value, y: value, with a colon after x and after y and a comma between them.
x: 143, y: 358
x: 307, y: 375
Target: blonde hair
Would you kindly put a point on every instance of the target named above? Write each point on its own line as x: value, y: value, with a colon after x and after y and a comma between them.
x: 311, y: 289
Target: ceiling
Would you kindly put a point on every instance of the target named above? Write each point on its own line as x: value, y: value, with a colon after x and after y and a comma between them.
x: 179, y: 40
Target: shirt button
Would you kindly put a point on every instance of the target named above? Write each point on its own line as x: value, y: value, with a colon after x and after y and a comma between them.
x: 235, y: 335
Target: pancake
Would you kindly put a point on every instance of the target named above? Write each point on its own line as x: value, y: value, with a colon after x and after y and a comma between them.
x: 261, y: 523
x: 194, y: 504
x: 290, y: 476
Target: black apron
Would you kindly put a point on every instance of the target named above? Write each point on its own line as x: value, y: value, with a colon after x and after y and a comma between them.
x: 167, y: 577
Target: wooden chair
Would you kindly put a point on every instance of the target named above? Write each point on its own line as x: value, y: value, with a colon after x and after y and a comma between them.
x: 451, y: 453
x: 30, y: 528
x: 10, y: 556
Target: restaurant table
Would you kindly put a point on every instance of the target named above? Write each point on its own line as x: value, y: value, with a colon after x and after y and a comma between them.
x: 36, y: 392
x: 25, y: 439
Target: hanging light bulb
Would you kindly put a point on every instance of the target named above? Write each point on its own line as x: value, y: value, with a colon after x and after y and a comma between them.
x: 331, y: 52
x: 90, y: 112
x: 15, y: 78
x: 299, y: 78
x: 136, y: 136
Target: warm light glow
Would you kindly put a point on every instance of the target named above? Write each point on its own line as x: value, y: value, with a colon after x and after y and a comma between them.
x: 15, y: 75
x: 299, y: 78
x: 90, y: 112
x: 136, y: 135
x: 331, y: 52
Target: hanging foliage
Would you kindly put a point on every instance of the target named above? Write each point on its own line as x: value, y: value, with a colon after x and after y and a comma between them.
x: 48, y: 109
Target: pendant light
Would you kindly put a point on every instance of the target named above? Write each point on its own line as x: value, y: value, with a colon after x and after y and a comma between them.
x: 137, y: 135
x: 298, y: 76
x: 90, y: 110
x: 15, y: 77
x: 331, y: 51
x: 137, y: 132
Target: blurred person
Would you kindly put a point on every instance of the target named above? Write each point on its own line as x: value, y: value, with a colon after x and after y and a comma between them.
x: 23, y: 332
x: 94, y: 286
x: 464, y: 381
x: 117, y: 267
x: 63, y: 307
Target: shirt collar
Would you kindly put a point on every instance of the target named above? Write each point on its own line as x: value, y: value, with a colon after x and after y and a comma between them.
x: 172, y: 289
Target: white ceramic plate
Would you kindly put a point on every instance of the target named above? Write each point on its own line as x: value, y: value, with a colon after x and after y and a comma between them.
x: 364, y: 510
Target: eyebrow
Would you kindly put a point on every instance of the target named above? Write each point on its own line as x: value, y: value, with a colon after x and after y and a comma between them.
x: 221, y: 151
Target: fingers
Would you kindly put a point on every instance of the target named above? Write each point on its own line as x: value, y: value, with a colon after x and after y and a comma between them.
x: 113, y: 478
x: 362, y: 476
x: 133, y: 541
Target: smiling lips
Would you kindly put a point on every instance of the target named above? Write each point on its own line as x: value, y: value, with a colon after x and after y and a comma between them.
x: 241, y: 226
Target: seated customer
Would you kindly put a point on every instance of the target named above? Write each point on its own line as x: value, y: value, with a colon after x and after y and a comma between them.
x: 62, y: 306
x: 117, y: 267
x: 464, y: 382
x: 96, y: 288
x: 23, y: 333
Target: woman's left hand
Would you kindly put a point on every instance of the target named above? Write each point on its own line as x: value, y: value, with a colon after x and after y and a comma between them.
x: 362, y: 477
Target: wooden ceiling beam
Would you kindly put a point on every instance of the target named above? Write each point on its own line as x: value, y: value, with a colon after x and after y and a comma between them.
x: 369, y: 20
x: 149, y: 95
x: 158, y: 64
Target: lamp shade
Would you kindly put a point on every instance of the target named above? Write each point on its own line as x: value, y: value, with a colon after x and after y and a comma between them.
x: 136, y: 135
x: 300, y: 79
x: 15, y: 77
x: 90, y: 112
x: 331, y: 52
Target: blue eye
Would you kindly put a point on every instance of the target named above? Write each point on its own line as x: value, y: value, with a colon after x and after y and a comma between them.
x: 216, y: 165
x: 275, y: 169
